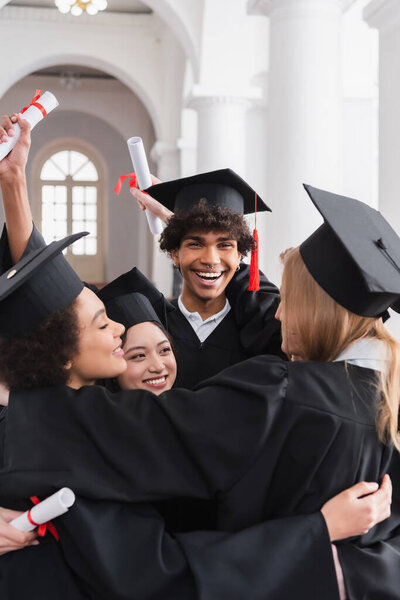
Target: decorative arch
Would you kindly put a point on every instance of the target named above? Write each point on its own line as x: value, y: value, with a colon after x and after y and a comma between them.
x: 87, y: 61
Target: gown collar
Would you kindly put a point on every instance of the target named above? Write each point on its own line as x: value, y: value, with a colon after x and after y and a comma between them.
x: 369, y: 353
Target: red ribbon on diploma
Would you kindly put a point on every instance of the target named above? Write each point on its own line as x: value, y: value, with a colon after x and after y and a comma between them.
x: 132, y: 182
x: 43, y: 527
x: 34, y: 102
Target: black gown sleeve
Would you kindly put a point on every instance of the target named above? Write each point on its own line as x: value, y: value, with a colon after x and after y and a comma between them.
x: 371, y: 563
x: 98, y: 441
x: 276, y: 560
x: 35, y: 241
x: 119, y: 551
x: 254, y: 312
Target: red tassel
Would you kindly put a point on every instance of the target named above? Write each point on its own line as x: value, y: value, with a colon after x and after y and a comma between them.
x: 254, y: 281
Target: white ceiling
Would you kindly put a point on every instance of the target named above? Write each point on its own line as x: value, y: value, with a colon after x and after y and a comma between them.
x: 125, y: 6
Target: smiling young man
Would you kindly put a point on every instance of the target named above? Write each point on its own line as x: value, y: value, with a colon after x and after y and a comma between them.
x: 217, y: 321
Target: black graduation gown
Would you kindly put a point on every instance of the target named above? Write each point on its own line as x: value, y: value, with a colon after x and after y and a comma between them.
x: 269, y: 439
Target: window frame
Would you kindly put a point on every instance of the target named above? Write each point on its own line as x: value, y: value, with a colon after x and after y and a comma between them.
x: 89, y: 267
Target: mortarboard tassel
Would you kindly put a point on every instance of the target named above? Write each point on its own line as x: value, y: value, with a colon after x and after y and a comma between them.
x: 254, y: 281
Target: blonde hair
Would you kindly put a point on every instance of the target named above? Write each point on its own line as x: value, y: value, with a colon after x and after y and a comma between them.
x: 325, y: 329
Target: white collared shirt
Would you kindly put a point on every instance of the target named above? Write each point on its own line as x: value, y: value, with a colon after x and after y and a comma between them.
x: 369, y: 353
x: 203, y: 328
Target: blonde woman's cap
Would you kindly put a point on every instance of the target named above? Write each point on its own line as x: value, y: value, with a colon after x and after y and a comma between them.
x: 36, y: 287
x: 355, y: 255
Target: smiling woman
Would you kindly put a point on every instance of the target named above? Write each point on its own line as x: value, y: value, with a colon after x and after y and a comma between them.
x: 64, y: 333
x: 147, y: 346
x: 150, y: 358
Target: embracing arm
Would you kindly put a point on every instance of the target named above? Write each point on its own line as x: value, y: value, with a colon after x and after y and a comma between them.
x: 371, y: 564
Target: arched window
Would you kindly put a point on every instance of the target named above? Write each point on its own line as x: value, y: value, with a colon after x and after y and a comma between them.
x: 69, y: 183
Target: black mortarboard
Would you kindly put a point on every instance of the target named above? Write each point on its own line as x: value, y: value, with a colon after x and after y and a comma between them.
x: 36, y: 287
x: 223, y: 187
x: 354, y: 256
x: 131, y: 309
x: 135, y: 281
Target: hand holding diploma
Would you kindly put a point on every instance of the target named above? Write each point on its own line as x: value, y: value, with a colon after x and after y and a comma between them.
x: 144, y: 180
x: 39, y: 107
x: 11, y: 538
x: 14, y: 164
x: 43, y: 512
x: 146, y: 202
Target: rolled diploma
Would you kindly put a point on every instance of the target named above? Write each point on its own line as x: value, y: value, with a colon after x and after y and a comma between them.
x: 141, y: 167
x: 48, y: 509
x: 33, y: 115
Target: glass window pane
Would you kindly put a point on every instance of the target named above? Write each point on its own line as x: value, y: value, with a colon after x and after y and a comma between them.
x: 78, y: 212
x: 61, y: 160
x: 91, y: 246
x: 78, y: 195
x: 78, y: 226
x: 60, y: 229
x: 60, y: 212
x: 47, y: 213
x: 48, y: 194
x: 91, y: 195
x: 91, y: 226
x: 51, y: 172
x: 87, y: 173
x: 78, y: 247
x: 77, y: 161
x: 60, y: 194
x: 91, y: 212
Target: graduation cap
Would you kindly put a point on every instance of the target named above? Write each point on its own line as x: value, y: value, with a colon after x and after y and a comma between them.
x: 131, y: 309
x: 135, y: 281
x: 354, y: 256
x: 39, y: 285
x: 223, y: 188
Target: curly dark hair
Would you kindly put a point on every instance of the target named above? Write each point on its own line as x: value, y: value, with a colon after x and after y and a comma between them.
x: 39, y: 358
x: 206, y: 217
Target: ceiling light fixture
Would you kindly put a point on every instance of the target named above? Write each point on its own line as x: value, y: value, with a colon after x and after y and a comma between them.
x: 78, y: 7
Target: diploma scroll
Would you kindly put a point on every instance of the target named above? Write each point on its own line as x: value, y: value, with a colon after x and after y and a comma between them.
x: 139, y: 161
x: 45, y: 511
x: 33, y: 115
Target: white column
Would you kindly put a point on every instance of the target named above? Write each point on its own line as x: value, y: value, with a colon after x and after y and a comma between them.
x: 221, y: 140
x: 384, y: 15
x: 304, y: 114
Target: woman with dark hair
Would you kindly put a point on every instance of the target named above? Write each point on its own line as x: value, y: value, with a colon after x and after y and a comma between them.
x: 148, y: 347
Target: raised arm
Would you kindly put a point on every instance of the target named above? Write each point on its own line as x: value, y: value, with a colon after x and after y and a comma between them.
x: 14, y: 191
